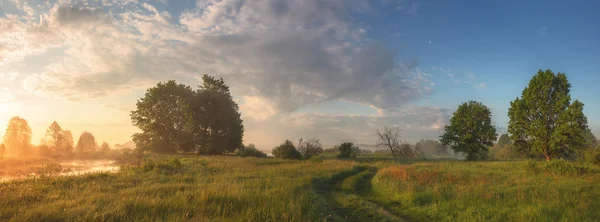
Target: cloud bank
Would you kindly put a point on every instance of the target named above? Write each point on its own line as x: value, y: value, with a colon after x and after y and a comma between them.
x: 277, y: 56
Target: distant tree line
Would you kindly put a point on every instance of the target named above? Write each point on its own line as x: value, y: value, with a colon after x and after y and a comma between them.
x: 17, y: 140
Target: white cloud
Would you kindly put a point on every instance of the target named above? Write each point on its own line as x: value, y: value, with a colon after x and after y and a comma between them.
x: 481, y: 85
x: 276, y: 55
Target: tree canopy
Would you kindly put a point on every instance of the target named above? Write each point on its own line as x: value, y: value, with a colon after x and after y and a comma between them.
x: 543, y: 120
x: 174, y: 118
x: 347, y: 150
x: 470, y: 130
x: 17, y: 138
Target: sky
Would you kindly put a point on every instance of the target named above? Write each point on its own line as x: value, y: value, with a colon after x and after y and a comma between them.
x: 336, y: 70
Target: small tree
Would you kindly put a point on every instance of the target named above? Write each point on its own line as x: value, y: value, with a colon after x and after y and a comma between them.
x: 470, y: 130
x: 105, y: 147
x: 309, y: 148
x: 390, y: 138
x: 544, y: 120
x: 86, y: 143
x: 287, y: 150
x: 347, y: 150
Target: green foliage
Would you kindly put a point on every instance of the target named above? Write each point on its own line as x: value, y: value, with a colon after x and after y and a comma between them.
x: 217, y: 121
x: 347, y: 150
x: 174, y: 118
x: 504, y: 140
x: 544, y: 120
x: 470, y: 131
x: 592, y: 157
x: 309, y: 148
x: 250, y: 151
x: 287, y: 150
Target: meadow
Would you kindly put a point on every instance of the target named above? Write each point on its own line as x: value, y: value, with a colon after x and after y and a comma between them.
x: 228, y: 188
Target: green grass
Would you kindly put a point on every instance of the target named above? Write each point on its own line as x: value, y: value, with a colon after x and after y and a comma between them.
x: 200, y: 189
x: 220, y: 188
x: 493, y: 191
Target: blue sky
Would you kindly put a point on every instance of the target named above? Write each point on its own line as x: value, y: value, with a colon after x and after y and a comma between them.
x: 336, y: 70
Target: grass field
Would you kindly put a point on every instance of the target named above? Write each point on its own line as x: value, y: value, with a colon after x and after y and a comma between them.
x: 192, y: 188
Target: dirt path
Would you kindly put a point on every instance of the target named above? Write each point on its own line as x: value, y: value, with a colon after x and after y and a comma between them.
x: 349, y: 195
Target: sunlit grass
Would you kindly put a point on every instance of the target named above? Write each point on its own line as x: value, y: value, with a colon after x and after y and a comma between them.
x: 202, y: 188
x: 493, y: 191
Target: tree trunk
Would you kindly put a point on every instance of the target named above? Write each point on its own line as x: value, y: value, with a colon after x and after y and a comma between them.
x: 548, y: 158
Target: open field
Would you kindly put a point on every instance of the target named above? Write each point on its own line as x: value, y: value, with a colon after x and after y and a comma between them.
x: 220, y: 188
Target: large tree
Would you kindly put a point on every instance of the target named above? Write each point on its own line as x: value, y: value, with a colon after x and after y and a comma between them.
x: 17, y: 137
x: 86, y: 142
x: 544, y: 120
x: 175, y: 118
x: 164, y: 116
x: 470, y: 130
x: 217, y: 124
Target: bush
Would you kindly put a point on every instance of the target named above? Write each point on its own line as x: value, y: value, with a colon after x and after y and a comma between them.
x: 592, y: 157
x: 347, y: 150
x: 287, y: 150
x: 251, y: 151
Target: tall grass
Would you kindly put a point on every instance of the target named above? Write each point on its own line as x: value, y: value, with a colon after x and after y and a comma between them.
x: 188, y: 188
x: 494, y: 191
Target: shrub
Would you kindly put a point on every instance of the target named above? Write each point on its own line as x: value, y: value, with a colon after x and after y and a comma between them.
x: 251, y: 151
x: 347, y: 150
x: 287, y: 150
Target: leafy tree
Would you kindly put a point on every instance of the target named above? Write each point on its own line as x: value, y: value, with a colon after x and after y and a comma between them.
x: 347, y: 150
x: 544, y: 120
x: 470, y: 130
x: 86, y: 143
x: 504, y: 140
x: 287, y: 150
x: 105, y: 146
x: 164, y: 116
x: 218, y: 124
x: 17, y: 137
x: 174, y: 118
x: 309, y: 148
